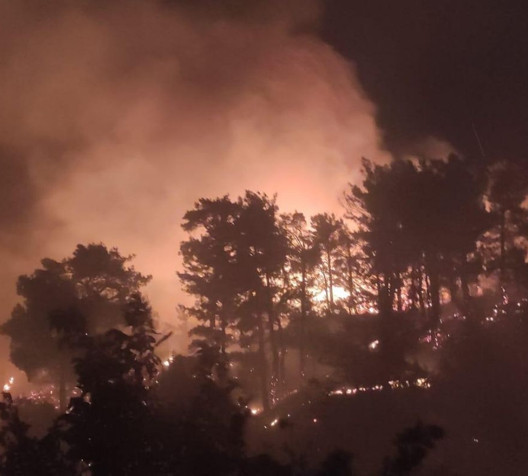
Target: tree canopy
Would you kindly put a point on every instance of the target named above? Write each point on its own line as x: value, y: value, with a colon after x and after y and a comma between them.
x: 64, y: 301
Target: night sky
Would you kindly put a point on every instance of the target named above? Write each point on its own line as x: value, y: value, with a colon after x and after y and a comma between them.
x: 440, y: 68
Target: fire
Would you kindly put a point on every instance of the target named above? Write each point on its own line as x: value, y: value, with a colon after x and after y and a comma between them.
x: 339, y: 292
x: 167, y: 362
x: 7, y: 387
x: 374, y: 345
x: 391, y: 385
x: 422, y: 382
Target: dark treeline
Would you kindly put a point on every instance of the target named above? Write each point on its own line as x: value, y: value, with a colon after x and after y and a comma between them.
x: 415, y: 235
x: 84, y: 323
x: 420, y: 286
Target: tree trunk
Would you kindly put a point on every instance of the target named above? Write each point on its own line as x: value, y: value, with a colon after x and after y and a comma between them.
x: 263, y: 363
x: 302, y: 329
x: 465, y: 288
x: 428, y: 288
x: 282, y: 357
x: 62, y: 386
x: 325, y: 282
x: 466, y: 297
x: 224, y: 314
x: 399, y: 293
x: 502, y: 247
x: 423, y: 309
x: 413, y: 291
x: 274, y: 380
x: 224, y: 338
x: 350, y: 282
x: 435, y: 291
x: 330, y: 280
x: 384, y: 297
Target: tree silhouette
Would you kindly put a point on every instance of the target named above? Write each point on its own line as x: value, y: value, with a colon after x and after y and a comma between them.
x: 337, y: 463
x: 233, y: 269
x: 412, y: 446
x: 64, y: 301
x: 210, y: 268
x: 351, y: 269
x: 304, y: 256
x: 326, y: 232
x: 21, y: 454
x: 507, y: 189
x: 132, y: 420
x: 103, y: 427
x: 251, y: 273
x: 420, y: 221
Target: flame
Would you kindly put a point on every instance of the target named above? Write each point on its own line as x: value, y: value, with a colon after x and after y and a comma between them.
x: 339, y: 292
x: 7, y: 387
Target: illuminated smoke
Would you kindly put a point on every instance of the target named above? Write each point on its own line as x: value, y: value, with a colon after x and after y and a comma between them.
x: 117, y: 116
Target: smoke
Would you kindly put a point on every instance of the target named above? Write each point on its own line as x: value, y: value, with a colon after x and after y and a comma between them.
x: 429, y: 147
x: 117, y: 116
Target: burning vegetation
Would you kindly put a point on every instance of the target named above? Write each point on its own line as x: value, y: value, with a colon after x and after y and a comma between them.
x: 306, y: 334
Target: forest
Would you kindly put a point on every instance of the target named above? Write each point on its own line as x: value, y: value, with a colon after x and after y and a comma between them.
x: 388, y: 340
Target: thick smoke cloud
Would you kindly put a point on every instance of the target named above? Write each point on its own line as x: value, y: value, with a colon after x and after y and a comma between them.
x: 447, y: 69
x: 117, y: 116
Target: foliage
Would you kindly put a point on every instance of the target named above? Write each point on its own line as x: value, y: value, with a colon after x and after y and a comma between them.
x: 412, y: 446
x: 420, y: 219
x: 62, y: 303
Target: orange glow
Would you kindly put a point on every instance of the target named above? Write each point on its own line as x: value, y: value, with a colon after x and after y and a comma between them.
x: 135, y: 146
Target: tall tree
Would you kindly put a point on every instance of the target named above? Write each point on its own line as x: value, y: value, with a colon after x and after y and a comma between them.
x: 262, y: 249
x: 507, y: 190
x: 64, y: 301
x: 211, y: 268
x: 350, y: 268
x: 233, y: 268
x: 413, y: 216
x: 304, y: 256
x: 104, y: 428
x: 377, y: 209
x: 326, y: 230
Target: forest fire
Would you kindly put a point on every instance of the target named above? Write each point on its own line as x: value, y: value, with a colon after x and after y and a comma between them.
x: 390, y: 385
x: 274, y: 238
